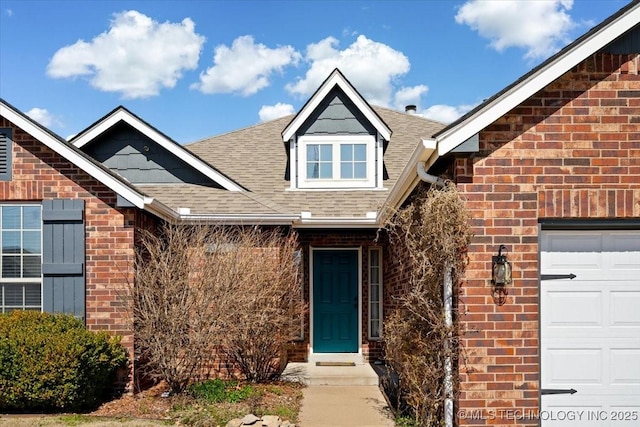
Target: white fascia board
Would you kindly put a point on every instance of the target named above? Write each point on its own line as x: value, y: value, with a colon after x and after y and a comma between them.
x: 336, y: 79
x: 74, y: 157
x: 228, y: 219
x: 160, y: 210
x: 163, y: 141
x: 450, y: 139
x: 337, y: 223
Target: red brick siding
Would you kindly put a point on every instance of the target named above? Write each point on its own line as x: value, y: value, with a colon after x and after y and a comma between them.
x: 39, y: 173
x: 570, y: 151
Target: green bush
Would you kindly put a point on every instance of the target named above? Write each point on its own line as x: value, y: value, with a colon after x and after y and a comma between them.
x: 52, y: 363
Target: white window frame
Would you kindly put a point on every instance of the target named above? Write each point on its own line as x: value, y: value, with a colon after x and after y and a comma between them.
x: 371, y: 293
x: 21, y: 280
x: 336, y: 141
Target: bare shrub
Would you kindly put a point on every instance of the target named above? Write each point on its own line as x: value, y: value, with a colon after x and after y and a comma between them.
x: 430, y: 236
x: 197, y: 287
x: 266, y: 293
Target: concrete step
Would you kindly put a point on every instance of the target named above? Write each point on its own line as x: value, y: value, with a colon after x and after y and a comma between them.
x: 311, y: 374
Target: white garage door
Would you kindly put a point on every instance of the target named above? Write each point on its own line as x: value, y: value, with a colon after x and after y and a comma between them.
x: 590, y: 328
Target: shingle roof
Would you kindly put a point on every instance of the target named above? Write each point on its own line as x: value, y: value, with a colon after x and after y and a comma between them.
x: 256, y: 158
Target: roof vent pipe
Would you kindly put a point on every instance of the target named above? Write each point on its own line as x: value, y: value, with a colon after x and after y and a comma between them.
x: 431, y: 179
x: 410, y: 109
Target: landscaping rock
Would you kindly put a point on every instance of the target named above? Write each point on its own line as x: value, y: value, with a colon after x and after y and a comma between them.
x: 249, y: 420
x: 271, y: 421
x: 265, y: 421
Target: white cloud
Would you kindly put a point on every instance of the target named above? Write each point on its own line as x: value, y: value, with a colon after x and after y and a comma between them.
x: 409, y: 96
x: 446, y: 113
x: 272, y: 112
x: 539, y: 26
x: 9, y: 13
x: 245, y: 67
x: 42, y: 116
x: 370, y: 66
x: 137, y: 57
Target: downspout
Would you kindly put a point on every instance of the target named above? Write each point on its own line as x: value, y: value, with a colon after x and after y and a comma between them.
x: 431, y: 179
x: 447, y: 285
x: 447, y: 291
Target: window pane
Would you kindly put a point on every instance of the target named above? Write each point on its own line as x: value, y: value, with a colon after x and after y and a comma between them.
x: 31, y: 217
x: 313, y: 153
x: 11, y: 242
x: 375, y: 310
x: 360, y: 170
x: 375, y: 293
x: 326, y: 170
x: 13, y: 295
x: 312, y: 170
x: 374, y: 258
x: 326, y: 154
x: 10, y: 266
x: 375, y: 329
x: 32, y: 294
x: 346, y: 170
x: 11, y: 217
x: 31, y: 266
x: 360, y: 152
x: 346, y: 152
x: 31, y: 242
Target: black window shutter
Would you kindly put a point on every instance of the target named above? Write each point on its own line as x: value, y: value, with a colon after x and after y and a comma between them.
x: 5, y: 154
x: 63, y: 257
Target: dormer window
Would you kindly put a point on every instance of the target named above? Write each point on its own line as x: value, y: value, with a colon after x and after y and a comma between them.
x: 337, y: 161
x: 336, y: 141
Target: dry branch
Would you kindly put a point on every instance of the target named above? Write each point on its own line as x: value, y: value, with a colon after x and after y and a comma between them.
x: 432, y: 234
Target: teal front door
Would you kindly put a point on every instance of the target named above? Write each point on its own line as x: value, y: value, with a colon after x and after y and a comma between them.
x: 335, y: 301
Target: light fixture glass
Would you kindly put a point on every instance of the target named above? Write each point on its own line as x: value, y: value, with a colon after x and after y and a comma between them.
x: 500, y: 276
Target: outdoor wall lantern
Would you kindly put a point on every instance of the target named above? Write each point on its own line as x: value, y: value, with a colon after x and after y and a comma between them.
x: 500, y: 276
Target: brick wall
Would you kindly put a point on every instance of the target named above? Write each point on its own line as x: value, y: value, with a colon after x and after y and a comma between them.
x: 39, y: 173
x: 570, y: 151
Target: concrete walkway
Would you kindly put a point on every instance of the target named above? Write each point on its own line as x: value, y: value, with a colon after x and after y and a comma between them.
x: 340, y: 396
x: 344, y: 406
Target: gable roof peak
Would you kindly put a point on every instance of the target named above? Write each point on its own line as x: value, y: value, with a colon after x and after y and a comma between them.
x: 336, y: 79
x: 122, y: 115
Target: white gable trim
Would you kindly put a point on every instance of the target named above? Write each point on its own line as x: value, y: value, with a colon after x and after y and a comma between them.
x: 336, y: 79
x: 73, y: 156
x: 451, y: 138
x: 123, y: 115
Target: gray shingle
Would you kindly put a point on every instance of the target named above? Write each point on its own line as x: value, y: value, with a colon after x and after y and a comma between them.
x: 256, y: 158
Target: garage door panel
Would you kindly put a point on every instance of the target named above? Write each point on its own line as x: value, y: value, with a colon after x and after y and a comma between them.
x: 625, y: 366
x: 624, y: 309
x: 573, y: 308
x: 566, y: 366
x: 590, y: 326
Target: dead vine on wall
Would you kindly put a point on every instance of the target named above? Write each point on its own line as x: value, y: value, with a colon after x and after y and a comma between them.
x: 427, y: 236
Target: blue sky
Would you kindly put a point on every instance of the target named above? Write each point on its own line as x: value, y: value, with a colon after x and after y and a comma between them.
x: 194, y: 69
